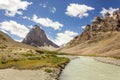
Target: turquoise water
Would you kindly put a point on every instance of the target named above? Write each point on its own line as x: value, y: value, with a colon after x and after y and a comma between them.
x: 86, y: 68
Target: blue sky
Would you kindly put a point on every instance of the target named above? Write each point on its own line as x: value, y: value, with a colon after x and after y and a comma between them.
x: 62, y: 20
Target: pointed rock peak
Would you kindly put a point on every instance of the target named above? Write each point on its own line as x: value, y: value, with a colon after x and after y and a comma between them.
x: 107, y: 14
x: 97, y: 19
x: 119, y: 11
x: 36, y: 27
x: 114, y: 13
x: 37, y: 37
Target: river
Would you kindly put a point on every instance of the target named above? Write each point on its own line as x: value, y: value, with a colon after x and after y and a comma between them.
x: 86, y: 68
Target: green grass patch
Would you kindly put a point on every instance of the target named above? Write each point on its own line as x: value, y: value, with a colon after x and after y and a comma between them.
x: 50, y: 52
x: 34, y: 62
x: 48, y: 70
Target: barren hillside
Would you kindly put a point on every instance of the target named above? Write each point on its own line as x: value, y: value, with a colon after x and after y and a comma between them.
x: 101, y: 37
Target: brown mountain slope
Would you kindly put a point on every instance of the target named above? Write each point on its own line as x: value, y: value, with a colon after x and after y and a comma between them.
x: 7, y: 42
x: 101, y: 37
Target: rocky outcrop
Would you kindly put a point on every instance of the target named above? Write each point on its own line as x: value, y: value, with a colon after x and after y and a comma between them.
x: 108, y: 23
x: 37, y: 37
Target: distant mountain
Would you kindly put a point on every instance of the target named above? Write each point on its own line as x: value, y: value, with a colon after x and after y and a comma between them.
x: 37, y: 37
x: 101, y: 37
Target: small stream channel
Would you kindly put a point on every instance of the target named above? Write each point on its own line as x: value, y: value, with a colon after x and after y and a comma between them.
x: 86, y: 68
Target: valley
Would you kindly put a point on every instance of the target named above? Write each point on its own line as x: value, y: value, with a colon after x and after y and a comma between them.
x: 36, y: 46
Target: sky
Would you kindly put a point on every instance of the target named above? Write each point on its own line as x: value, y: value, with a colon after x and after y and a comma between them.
x: 61, y: 20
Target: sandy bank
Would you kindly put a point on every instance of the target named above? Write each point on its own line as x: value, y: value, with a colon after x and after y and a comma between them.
x: 14, y: 74
x: 108, y: 60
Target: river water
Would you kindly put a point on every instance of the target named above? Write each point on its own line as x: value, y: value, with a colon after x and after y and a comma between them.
x: 86, y: 68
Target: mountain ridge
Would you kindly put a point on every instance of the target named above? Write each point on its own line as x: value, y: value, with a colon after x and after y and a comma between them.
x: 102, y: 30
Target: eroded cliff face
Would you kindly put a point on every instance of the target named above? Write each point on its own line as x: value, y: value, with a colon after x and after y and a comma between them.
x: 96, y: 30
x: 37, y: 37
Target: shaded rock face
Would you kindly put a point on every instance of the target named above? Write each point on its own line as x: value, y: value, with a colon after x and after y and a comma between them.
x: 37, y: 37
x: 108, y: 23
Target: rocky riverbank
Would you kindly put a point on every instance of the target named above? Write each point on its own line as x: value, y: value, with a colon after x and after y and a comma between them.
x: 108, y: 60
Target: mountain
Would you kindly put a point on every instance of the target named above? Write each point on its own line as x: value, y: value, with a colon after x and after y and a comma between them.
x: 101, y: 37
x: 4, y: 38
x: 37, y: 37
x: 7, y: 43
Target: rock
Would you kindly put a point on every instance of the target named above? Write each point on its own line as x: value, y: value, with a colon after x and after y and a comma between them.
x: 97, y: 19
x: 37, y: 37
x: 119, y: 11
x: 107, y: 14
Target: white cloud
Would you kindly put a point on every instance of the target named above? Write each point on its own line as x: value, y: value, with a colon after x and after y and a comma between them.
x: 53, y: 10
x: 65, y: 37
x: 49, y: 8
x: 25, y: 17
x: 4, y: 31
x: 13, y: 7
x: 47, y: 22
x: 44, y: 5
x: 110, y: 10
x: 30, y: 26
x: 14, y: 28
x: 83, y: 27
x: 78, y: 10
x: 19, y: 40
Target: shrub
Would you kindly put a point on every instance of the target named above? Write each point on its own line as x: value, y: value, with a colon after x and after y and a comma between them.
x: 28, y: 54
x: 4, y: 61
x: 15, y: 53
x: 48, y: 70
x: 9, y: 55
x: 15, y: 60
x: 34, y: 58
x: 53, y: 55
x: 39, y: 51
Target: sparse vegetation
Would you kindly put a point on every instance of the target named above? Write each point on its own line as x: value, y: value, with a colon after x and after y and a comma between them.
x: 28, y: 54
x: 2, y: 45
x: 33, y: 61
x: 116, y: 57
x: 93, y: 55
x: 49, y: 52
x: 48, y: 70
x: 21, y: 56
